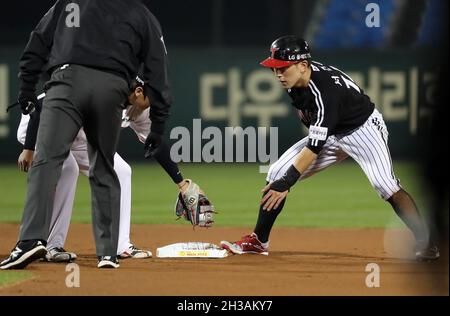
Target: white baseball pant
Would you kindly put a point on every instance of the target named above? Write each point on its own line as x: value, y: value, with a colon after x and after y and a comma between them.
x: 367, y: 145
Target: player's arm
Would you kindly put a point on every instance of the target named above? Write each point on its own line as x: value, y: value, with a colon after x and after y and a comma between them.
x: 139, y: 124
x: 32, y: 130
x: 28, y: 140
x: 171, y: 168
x: 327, y: 102
x: 25, y: 159
x: 277, y: 191
x: 158, y: 89
x: 155, y: 62
x: 304, y: 159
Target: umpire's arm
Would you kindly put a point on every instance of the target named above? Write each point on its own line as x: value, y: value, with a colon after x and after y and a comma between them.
x: 37, y: 51
x: 156, y: 74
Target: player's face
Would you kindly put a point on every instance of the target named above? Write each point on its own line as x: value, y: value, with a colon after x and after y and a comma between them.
x: 292, y: 75
x: 137, y: 98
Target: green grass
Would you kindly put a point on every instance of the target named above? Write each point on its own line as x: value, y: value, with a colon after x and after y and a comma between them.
x: 8, y: 277
x: 340, y: 196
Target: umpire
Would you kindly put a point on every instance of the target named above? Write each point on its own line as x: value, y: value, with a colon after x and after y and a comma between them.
x: 93, y: 49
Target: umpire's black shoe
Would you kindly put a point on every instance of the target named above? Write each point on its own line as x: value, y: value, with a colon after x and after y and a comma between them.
x: 23, y: 254
x: 108, y: 262
x: 428, y: 253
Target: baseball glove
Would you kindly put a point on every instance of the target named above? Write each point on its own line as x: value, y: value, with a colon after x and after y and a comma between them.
x: 194, y: 206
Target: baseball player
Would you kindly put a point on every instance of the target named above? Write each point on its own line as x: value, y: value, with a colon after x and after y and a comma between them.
x: 342, y: 123
x: 136, y: 117
x: 91, y: 67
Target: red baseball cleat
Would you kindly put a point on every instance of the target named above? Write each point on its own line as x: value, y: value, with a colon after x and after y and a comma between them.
x: 248, y: 244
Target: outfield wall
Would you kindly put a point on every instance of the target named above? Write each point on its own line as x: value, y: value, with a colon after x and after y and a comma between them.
x: 228, y: 88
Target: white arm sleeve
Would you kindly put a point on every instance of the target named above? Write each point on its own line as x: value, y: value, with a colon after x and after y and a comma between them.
x: 22, y: 129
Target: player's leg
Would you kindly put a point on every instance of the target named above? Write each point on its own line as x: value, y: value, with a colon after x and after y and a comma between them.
x: 258, y: 241
x: 329, y: 155
x: 141, y: 126
x: 125, y: 249
x: 123, y: 171
x: 64, y: 196
x: 79, y: 151
x: 62, y: 212
x: 405, y: 207
x: 368, y: 147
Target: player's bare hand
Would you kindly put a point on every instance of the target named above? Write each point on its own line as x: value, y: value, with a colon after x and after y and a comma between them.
x: 25, y: 160
x: 272, y: 199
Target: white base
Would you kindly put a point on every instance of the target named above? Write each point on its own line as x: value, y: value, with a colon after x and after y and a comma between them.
x: 191, y: 250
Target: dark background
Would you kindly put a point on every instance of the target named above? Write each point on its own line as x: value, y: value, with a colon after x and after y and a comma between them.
x: 227, y: 23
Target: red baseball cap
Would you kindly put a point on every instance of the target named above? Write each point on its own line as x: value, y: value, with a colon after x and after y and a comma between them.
x: 286, y: 51
x: 271, y: 62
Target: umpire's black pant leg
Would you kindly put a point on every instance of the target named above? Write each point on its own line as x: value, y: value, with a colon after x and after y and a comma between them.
x: 59, y: 124
x: 102, y: 127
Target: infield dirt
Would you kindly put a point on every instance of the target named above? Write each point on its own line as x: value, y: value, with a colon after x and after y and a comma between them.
x: 302, y: 261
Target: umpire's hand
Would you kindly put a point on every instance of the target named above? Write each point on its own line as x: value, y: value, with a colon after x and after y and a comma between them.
x: 152, y: 144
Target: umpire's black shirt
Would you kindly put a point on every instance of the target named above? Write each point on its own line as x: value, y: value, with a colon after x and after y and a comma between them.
x: 331, y: 104
x: 113, y: 35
